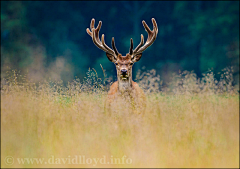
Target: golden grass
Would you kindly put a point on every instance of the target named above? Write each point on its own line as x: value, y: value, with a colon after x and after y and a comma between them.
x: 196, y: 125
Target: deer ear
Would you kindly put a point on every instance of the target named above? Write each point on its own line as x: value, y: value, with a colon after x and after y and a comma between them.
x: 137, y: 57
x: 111, y: 57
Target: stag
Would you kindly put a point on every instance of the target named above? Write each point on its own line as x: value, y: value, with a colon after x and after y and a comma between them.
x: 124, y: 90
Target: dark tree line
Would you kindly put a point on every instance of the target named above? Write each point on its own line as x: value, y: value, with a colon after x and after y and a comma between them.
x: 193, y: 35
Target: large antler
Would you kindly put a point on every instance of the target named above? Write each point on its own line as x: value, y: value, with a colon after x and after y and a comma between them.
x: 151, y: 38
x: 94, y: 33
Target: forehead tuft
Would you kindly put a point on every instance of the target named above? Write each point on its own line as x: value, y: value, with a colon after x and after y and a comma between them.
x: 124, y: 58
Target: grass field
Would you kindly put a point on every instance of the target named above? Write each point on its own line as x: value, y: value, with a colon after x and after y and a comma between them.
x: 191, y: 123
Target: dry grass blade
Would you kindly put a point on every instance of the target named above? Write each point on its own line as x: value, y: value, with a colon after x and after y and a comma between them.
x: 195, y: 123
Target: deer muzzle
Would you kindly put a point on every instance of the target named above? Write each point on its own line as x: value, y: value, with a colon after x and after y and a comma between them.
x: 124, y: 74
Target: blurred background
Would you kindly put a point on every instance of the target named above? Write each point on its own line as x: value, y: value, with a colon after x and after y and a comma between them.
x: 48, y: 38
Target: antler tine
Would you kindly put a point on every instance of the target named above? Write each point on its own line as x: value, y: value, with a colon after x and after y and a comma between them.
x: 92, y: 23
x: 131, y: 47
x: 94, y: 33
x: 140, y: 44
x: 114, y: 47
x: 92, y: 27
x: 97, y: 31
x: 108, y: 48
x: 151, y: 37
x: 155, y: 25
x: 97, y: 41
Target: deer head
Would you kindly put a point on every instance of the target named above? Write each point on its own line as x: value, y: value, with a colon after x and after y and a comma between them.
x: 123, y: 63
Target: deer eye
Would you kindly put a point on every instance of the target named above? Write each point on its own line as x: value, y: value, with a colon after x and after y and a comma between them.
x: 116, y: 63
x: 131, y: 63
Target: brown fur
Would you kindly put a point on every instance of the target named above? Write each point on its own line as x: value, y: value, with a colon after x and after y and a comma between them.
x: 124, y: 92
x: 124, y: 58
x: 134, y: 99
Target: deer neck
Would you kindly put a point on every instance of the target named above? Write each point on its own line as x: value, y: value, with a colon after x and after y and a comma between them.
x: 125, y: 85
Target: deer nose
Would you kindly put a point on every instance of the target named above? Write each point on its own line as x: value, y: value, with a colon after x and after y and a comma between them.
x: 124, y: 71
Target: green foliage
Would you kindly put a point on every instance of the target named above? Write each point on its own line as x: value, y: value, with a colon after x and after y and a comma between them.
x: 15, y: 48
x: 193, y: 35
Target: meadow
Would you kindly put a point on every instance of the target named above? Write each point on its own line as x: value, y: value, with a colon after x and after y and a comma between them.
x: 191, y: 122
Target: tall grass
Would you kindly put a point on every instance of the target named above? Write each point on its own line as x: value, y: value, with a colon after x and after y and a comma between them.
x: 190, y: 123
